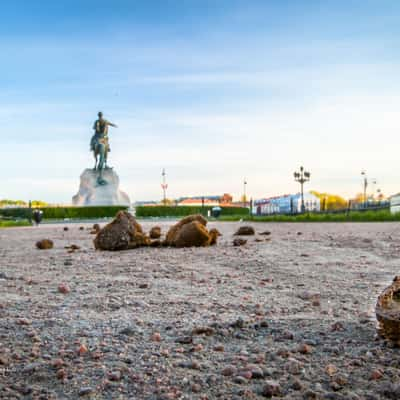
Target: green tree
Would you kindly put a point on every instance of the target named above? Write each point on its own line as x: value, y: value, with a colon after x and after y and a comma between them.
x: 8, y: 202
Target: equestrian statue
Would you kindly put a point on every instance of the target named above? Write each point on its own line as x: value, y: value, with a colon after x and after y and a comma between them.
x: 100, y: 146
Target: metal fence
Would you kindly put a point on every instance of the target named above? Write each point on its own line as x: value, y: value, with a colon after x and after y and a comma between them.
x: 351, y: 207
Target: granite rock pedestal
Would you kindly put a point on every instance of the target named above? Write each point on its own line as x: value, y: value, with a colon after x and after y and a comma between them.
x: 91, y: 193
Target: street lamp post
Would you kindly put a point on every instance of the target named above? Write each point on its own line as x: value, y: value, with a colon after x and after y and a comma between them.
x: 365, y: 185
x: 379, y: 195
x: 324, y: 206
x: 374, y: 183
x: 302, y: 177
x: 164, y: 186
x: 244, y: 192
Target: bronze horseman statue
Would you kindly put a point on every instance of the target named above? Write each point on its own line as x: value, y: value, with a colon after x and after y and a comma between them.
x: 99, y: 186
x: 100, y: 146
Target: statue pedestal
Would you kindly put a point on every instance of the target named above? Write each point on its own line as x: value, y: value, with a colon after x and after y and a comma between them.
x: 92, y: 194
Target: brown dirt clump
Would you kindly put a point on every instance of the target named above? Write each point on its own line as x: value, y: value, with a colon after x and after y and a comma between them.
x: 245, y: 230
x: 192, y: 234
x: 214, y: 233
x: 121, y: 234
x: 45, y: 244
x: 173, y: 231
x: 155, y: 232
x: 191, y: 231
x: 388, y: 312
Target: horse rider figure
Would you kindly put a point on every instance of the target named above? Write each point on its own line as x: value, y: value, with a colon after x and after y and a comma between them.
x: 101, y: 137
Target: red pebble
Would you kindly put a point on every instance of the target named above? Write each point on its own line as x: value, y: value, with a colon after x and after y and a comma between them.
x: 82, y: 349
x: 156, y: 337
x: 376, y: 374
x: 63, y: 288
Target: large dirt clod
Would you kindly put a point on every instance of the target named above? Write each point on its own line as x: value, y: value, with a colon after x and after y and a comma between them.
x: 191, y: 231
x: 121, y: 234
x: 388, y: 312
x: 192, y: 234
x: 174, y: 230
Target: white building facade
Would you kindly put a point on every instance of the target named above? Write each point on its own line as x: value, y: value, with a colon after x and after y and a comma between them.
x: 395, y: 203
x: 286, y: 204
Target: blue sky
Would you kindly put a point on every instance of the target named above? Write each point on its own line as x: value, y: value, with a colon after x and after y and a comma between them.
x: 214, y: 91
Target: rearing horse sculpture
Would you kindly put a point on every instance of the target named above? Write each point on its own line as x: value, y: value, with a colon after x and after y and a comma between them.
x: 99, y: 145
x: 100, y: 156
x: 100, y: 150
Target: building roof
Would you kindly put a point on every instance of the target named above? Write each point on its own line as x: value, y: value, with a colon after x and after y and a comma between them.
x: 217, y: 198
x: 198, y: 201
x: 145, y: 203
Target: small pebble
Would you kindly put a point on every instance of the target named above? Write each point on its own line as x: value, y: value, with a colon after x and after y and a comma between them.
x: 376, y: 374
x: 331, y: 369
x: 114, y: 376
x: 229, y: 370
x: 83, y: 391
x: 156, y: 337
x: 63, y: 288
x: 271, y: 388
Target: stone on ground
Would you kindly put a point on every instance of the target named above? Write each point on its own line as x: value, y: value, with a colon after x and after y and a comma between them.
x: 245, y: 230
x: 44, y: 244
x: 239, y: 242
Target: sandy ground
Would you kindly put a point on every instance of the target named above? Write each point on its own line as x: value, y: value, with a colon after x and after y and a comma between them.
x: 292, y: 317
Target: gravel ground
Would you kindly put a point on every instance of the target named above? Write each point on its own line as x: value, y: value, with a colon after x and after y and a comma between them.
x: 290, y: 317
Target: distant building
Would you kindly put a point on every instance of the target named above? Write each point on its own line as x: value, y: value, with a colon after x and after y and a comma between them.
x: 395, y: 203
x: 201, y: 201
x: 225, y: 200
x: 240, y: 204
x: 286, y: 204
x: 145, y: 203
